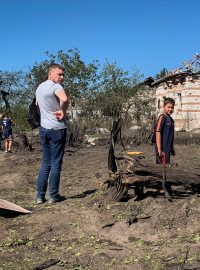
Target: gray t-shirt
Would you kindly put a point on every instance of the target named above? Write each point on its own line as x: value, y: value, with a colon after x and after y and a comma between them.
x: 49, y: 103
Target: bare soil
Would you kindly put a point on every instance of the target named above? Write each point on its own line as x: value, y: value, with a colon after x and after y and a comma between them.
x: 87, y: 231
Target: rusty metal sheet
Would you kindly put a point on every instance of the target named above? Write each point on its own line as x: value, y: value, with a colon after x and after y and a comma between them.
x: 6, y: 205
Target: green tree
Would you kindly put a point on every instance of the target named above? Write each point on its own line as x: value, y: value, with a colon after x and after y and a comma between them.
x: 116, y: 88
x: 99, y: 94
x: 163, y: 73
x: 14, y: 83
x: 80, y: 78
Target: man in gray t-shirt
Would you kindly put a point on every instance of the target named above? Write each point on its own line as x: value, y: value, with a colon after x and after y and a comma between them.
x: 53, y: 102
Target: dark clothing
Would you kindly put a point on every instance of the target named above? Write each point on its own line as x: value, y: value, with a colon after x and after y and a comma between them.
x: 53, y: 146
x: 7, y: 123
x: 165, y: 125
x: 7, y: 135
x: 7, y: 128
x: 53, y: 139
x: 1, y: 138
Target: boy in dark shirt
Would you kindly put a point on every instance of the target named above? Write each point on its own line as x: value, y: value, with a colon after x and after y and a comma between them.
x: 164, y: 146
x: 6, y: 126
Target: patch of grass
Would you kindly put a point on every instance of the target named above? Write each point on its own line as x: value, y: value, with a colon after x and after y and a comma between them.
x: 131, y: 260
x: 96, y: 194
x: 157, y: 266
x: 139, y: 243
x: 12, y: 242
x: 79, y: 268
x: 63, y: 263
x: 196, y: 237
x: 7, y: 266
x: 111, y: 262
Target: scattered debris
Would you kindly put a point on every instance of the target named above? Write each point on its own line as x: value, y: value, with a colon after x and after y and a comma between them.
x: 108, y: 225
x: 6, y: 206
x: 46, y: 264
x: 134, y: 219
x: 185, y: 258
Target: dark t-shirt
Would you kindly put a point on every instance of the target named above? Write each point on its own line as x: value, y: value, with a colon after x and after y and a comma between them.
x: 165, y: 125
x: 7, y: 124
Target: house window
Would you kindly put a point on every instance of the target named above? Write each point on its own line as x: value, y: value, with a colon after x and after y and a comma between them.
x: 159, y: 104
x: 179, y: 101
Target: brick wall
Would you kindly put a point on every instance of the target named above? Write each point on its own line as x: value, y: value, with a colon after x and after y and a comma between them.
x: 187, y: 97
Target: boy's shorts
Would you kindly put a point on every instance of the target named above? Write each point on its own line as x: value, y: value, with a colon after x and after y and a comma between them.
x: 8, y: 135
x: 159, y: 159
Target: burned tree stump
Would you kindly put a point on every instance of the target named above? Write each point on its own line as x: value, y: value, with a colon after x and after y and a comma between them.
x: 139, y: 177
x: 115, y: 189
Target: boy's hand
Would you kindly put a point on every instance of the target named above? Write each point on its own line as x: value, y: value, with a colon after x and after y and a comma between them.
x: 162, y: 157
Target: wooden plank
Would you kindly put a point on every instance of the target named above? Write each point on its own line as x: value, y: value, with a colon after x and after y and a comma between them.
x: 6, y: 205
x: 135, y: 153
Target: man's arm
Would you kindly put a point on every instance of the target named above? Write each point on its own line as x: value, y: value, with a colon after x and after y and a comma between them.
x: 64, y: 103
x: 158, y: 142
x: 159, y: 126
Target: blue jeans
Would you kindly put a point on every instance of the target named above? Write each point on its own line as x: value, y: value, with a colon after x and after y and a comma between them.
x: 53, y: 146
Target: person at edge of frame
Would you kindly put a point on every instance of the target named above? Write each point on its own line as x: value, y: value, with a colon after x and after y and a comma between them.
x: 7, y: 133
x: 164, y: 130
x: 1, y: 132
x: 53, y: 103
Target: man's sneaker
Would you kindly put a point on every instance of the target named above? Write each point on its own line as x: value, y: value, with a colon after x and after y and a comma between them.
x: 40, y: 200
x: 6, y: 151
x: 57, y: 199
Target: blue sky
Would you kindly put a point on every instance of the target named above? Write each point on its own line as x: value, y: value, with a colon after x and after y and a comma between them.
x: 146, y: 34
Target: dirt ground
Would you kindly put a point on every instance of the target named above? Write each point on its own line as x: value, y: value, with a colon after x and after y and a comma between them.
x: 89, y: 232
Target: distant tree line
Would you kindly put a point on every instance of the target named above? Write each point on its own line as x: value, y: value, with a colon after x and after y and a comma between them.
x: 100, y: 93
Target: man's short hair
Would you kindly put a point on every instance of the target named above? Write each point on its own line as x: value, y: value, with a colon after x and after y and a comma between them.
x: 54, y: 65
x: 168, y: 100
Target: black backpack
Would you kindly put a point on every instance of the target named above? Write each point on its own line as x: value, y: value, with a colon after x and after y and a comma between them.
x: 152, y: 137
x: 33, y: 114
